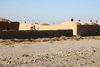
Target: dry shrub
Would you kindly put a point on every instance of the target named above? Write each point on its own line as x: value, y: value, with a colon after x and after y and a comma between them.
x: 11, y: 46
x: 50, y: 41
x: 15, y: 39
x: 3, y: 59
x: 13, y: 60
x: 43, y: 57
x: 79, y: 57
x: 91, y: 61
x: 26, y: 46
x: 2, y: 41
x: 52, y: 54
x: 24, y: 55
x: 26, y: 42
x: 33, y: 40
x: 92, y: 37
x: 70, y: 65
x: 76, y: 38
x: 63, y: 38
x: 38, y: 40
x: 55, y: 39
x: 95, y: 37
x: 8, y: 42
x: 45, y: 39
x: 40, y: 63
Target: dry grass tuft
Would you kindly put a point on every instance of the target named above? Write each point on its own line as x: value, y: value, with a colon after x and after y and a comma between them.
x: 63, y: 38
x: 38, y: 40
x: 76, y: 37
x: 78, y: 57
x: 26, y: 42
x: 40, y: 63
x: 24, y: 55
x: 70, y: 65
x: 45, y: 39
x: 11, y: 46
x: 52, y: 54
x: 3, y: 59
x: 26, y: 46
x: 13, y: 60
x: 8, y: 42
x: 55, y: 39
x: 43, y: 57
x: 91, y: 61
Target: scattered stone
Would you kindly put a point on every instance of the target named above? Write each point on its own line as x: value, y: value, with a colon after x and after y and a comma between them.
x: 1, y: 65
x: 25, y: 62
x: 94, y: 50
x: 3, y: 59
x: 9, y: 58
x: 30, y: 60
x: 34, y: 60
x: 52, y: 57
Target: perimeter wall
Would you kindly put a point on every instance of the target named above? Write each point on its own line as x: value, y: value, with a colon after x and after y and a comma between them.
x: 88, y: 30
x: 35, y: 34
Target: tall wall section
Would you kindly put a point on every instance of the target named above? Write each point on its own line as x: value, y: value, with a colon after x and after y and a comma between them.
x: 9, y: 26
x: 88, y: 30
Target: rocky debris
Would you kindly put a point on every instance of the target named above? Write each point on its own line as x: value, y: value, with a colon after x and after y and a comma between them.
x: 54, y: 59
x: 84, y: 56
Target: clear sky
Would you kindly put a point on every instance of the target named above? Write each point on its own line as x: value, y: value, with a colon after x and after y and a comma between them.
x: 50, y: 11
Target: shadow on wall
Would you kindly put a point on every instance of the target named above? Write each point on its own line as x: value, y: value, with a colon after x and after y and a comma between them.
x: 35, y: 34
x: 9, y: 26
x: 88, y: 30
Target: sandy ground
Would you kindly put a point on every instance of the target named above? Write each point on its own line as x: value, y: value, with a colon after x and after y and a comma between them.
x: 68, y: 53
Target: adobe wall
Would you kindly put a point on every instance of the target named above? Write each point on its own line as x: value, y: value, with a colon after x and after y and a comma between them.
x: 35, y: 34
x: 14, y: 26
x: 66, y: 27
x: 88, y: 30
x: 9, y: 26
x: 58, y: 27
x: 3, y: 25
x: 43, y: 27
x: 25, y: 26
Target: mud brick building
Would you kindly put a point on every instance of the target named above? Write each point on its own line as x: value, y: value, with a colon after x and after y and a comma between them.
x: 6, y: 24
x: 78, y: 27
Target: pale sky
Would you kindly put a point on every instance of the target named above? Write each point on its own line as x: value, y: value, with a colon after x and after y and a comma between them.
x: 50, y: 11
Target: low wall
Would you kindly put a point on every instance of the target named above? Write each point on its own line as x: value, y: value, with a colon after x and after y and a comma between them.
x: 88, y: 30
x: 35, y: 34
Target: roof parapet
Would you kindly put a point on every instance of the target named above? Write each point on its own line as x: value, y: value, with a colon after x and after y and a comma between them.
x: 90, y: 21
x: 96, y: 21
x: 79, y: 20
x: 71, y: 19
